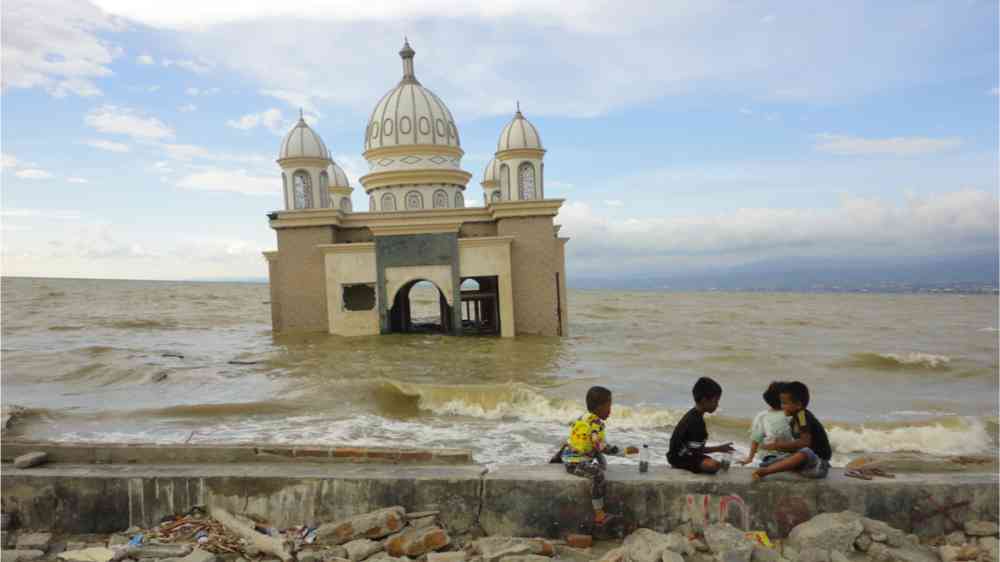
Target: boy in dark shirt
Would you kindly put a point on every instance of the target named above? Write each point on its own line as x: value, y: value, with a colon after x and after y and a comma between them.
x: 687, y: 442
x: 810, y: 446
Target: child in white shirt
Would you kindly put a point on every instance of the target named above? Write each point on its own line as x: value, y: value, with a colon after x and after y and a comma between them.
x: 769, y: 425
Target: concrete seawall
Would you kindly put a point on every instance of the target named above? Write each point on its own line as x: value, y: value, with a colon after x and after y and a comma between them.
x: 507, y: 500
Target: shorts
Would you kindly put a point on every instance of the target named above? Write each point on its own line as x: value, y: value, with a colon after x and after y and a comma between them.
x: 771, y: 458
x: 690, y: 462
x: 814, y: 466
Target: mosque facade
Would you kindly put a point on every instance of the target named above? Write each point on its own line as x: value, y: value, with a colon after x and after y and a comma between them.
x: 350, y: 273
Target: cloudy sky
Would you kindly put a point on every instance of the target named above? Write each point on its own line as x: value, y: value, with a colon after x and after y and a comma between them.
x: 139, y: 137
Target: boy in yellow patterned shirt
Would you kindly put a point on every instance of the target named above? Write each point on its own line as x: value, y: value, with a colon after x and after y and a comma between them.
x: 583, y: 453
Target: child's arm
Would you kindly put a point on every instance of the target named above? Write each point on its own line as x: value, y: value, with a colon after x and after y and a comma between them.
x: 753, y: 453
x: 724, y: 448
x: 804, y: 440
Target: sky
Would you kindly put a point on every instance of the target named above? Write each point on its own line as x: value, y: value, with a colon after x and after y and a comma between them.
x: 139, y: 138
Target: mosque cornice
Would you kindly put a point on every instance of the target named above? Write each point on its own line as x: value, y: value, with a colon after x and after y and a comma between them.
x: 399, y: 178
x: 397, y: 222
x: 303, y: 161
x: 489, y: 183
x: 520, y: 153
x: 533, y: 208
x: 407, y: 149
x: 352, y: 248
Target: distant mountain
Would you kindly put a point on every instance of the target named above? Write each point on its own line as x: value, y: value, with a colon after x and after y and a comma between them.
x: 973, y: 273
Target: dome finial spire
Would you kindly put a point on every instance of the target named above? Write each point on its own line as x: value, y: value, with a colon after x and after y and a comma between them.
x: 300, y: 115
x: 518, y: 102
x: 407, y: 53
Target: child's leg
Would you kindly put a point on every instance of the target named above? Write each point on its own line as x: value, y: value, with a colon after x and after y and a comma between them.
x: 710, y: 465
x: 791, y: 462
x: 598, y: 485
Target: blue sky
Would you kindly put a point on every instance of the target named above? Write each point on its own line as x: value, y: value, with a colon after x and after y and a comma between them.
x: 139, y: 138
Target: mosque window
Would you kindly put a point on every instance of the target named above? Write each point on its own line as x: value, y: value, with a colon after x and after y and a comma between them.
x: 541, y: 180
x: 414, y: 200
x: 459, y: 200
x: 505, y: 181
x: 284, y: 187
x: 359, y: 297
x: 345, y: 204
x: 302, y: 190
x: 440, y: 199
x: 388, y: 202
x: 495, y: 197
x: 526, y: 181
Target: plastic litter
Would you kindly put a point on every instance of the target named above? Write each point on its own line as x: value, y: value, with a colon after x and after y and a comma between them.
x: 644, y: 458
x: 136, y: 539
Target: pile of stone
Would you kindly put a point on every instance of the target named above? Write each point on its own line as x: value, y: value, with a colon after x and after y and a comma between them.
x: 978, y: 541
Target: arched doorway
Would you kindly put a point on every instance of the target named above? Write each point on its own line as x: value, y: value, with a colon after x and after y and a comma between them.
x: 420, y: 307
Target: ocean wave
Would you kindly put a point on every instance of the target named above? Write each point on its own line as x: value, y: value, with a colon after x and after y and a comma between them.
x: 948, y: 436
x: 140, y: 324
x: 895, y: 361
x: 60, y: 328
x: 516, y: 401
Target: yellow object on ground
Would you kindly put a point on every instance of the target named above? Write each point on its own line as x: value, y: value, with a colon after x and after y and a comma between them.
x: 760, y: 537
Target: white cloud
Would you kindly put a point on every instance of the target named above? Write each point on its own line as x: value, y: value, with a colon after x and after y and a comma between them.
x: 898, y: 146
x: 60, y: 214
x: 746, y: 111
x: 236, y: 181
x: 187, y: 108
x: 768, y: 19
x: 297, y: 100
x: 152, y: 89
x: 125, y: 121
x: 9, y: 161
x: 54, y: 45
x: 198, y: 67
x: 271, y: 119
x: 33, y: 174
x: 108, y: 145
x: 185, y: 151
x: 192, y: 91
x: 78, y: 180
x: 145, y: 59
x: 959, y: 221
x: 614, y: 203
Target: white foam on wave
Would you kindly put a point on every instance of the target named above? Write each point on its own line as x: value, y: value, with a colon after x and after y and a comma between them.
x: 918, y: 359
x: 958, y: 436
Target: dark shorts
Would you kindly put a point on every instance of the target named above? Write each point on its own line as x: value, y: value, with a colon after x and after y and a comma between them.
x: 814, y: 466
x: 690, y: 463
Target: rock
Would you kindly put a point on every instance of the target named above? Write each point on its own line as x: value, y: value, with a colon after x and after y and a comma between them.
x: 374, y: 525
x: 893, y: 537
x: 526, y: 558
x: 968, y: 552
x: 361, y: 549
x: 678, y: 543
x: 494, y: 548
x: 199, y: 555
x: 332, y: 552
x: 384, y: 557
x: 671, y: 556
x: 253, y: 552
x: 814, y: 555
x: 29, y: 460
x: 21, y: 555
x: 948, y: 553
x: 763, y: 554
x: 837, y: 556
x: 34, y: 541
x: 728, y: 543
x: 117, y: 539
x: 956, y: 539
x: 699, y: 545
x: 6, y: 521
x: 428, y: 521
x: 155, y: 550
x: 880, y: 537
x: 989, y: 546
x: 981, y: 528
x: 614, y: 555
x: 87, y: 555
x: 570, y: 554
x: 417, y: 541
x: 309, y: 556
x: 459, y: 556
x: 580, y: 541
x: 828, y: 531
x: 645, y: 545
x: 246, y: 528
x: 863, y: 541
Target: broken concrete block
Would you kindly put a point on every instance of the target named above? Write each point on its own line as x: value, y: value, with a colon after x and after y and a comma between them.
x: 361, y: 549
x: 375, y: 525
x: 646, y: 545
x: 417, y: 541
x: 459, y: 556
x: 34, y: 541
x: 87, y: 555
x: 494, y: 548
x: 728, y: 543
x: 981, y: 528
x: 21, y: 555
x: 615, y: 555
x: 199, y: 555
x: 828, y: 531
x: 580, y: 541
x: 526, y: 558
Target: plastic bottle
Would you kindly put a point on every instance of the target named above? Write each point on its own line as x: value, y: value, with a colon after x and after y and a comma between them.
x: 644, y: 458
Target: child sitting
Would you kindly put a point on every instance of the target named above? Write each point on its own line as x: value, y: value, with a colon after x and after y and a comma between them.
x: 769, y: 425
x: 586, y: 446
x: 809, y: 446
x: 687, y: 443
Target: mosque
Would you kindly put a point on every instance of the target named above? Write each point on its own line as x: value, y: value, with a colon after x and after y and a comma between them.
x: 499, y: 269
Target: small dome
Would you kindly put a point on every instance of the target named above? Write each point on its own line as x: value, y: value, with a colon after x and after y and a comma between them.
x: 303, y: 142
x: 519, y: 133
x: 410, y: 114
x: 492, y: 171
x: 337, y: 176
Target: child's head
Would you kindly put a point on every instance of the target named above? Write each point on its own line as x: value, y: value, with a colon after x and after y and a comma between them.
x: 706, y: 393
x: 599, y: 401
x: 794, y: 397
x: 773, y: 394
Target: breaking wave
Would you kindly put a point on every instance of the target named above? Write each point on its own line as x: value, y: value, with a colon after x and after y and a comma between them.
x: 946, y: 436
x: 893, y: 361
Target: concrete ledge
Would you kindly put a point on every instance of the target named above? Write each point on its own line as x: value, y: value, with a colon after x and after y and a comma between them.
x: 544, y: 500
x: 506, y: 500
x: 144, y: 453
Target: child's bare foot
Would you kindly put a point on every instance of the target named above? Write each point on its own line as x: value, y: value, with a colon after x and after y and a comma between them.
x: 758, y: 475
x: 602, y: 518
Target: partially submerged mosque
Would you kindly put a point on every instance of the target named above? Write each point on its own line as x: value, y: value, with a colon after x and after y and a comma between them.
x: 350, y: 273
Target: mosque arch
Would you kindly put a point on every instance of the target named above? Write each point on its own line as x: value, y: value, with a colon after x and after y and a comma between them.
x: 440, y: 199
x: 345, y: 204
x: 459, y: 200
x: 302, y: 190
x: 414, y: 200
x: 526, y: 181
x: 388, y: 202
x: 405, y: 317
x: 505, y: 181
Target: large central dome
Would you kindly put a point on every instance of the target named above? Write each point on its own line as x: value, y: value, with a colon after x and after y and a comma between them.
x: 413, y: 150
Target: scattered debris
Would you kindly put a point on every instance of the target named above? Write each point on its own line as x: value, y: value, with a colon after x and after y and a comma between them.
x: 29, y: 460
x: 176, y: 355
